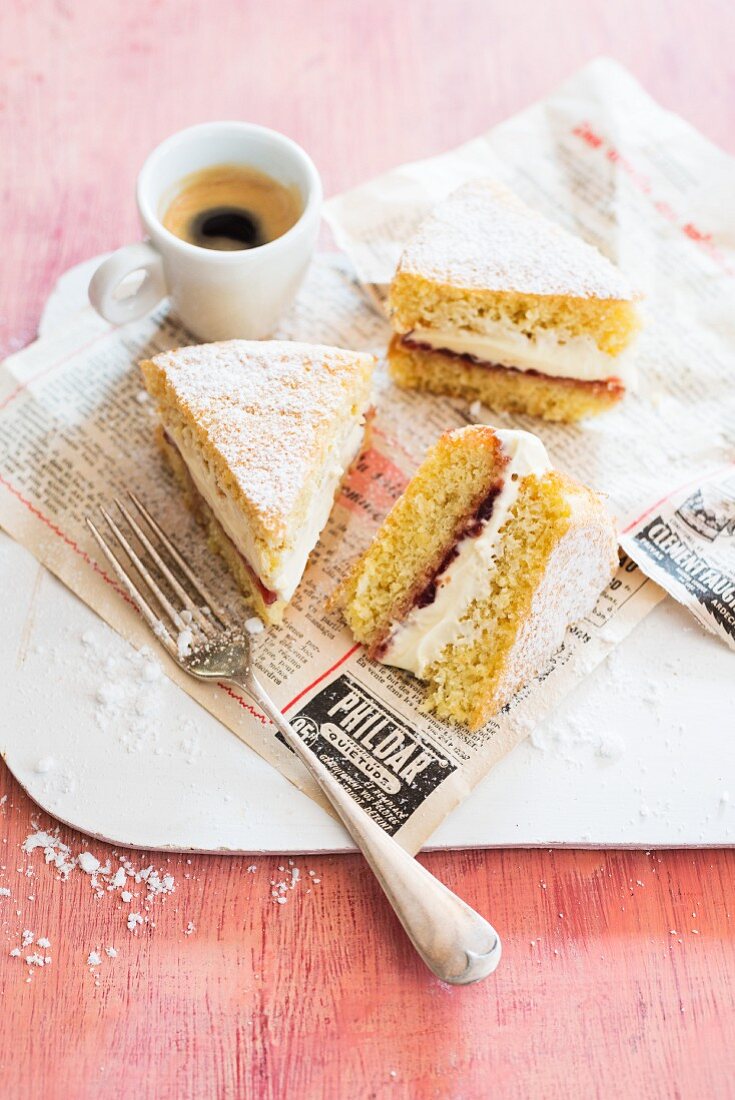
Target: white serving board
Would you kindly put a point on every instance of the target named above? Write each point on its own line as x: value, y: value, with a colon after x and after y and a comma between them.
x: 641, y: 755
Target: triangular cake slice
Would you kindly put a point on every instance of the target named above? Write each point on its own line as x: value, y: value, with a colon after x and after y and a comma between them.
x: 260, y: 434
x: 492, y: 301
x: 478, y: 569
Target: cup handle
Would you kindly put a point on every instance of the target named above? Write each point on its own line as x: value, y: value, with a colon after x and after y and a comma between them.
x: 110, y: 274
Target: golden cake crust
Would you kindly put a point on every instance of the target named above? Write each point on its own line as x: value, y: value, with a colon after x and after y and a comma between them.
x: 566, y: 564
x: 263, y: 413
x: 417, y: 547
x: 440, y: 372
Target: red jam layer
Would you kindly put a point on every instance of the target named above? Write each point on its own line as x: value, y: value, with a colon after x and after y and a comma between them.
x: 469, y: 528
x: 613, y: 383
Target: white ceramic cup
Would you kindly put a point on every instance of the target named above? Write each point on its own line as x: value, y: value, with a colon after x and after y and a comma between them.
x: 217, y: 295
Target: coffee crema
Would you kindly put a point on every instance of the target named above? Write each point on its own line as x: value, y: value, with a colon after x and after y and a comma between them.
x: 231, y: 207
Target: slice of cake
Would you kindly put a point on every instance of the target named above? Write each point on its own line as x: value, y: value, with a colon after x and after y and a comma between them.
x: 492, y: 301
x: 478, y: 569
x: 260, y: 434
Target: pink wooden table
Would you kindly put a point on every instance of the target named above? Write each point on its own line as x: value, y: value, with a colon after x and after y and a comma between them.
x: 628, y: 993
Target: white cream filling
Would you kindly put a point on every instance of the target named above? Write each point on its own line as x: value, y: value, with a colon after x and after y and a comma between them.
x: 578, y: 357
x: 418, y: 640
x: 282, y: 575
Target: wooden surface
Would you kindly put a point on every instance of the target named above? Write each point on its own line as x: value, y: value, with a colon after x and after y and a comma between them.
x: 630, y: 992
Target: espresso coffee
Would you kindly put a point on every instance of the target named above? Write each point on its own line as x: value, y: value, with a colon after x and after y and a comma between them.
x: 231, y: 207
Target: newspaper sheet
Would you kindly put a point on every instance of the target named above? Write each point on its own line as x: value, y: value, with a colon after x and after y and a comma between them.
x: 75, y: 431
x: 686, y: 542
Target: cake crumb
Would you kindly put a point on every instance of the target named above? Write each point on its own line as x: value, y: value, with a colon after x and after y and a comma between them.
x: 88, y: 863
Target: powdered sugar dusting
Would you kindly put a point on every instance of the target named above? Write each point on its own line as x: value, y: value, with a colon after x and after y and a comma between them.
x: 134, y: 889
x: 184, y: 642
x: 290, y: 880
x: 130, y: 695
x: 485, y: 238
x: 54, y: 851
x: 264, y: 408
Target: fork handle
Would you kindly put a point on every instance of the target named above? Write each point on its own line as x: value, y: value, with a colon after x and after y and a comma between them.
x: 454, y: 941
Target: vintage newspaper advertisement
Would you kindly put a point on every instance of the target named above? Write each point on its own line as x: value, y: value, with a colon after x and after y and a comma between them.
x: 686, y: 542
x: 76, y: 431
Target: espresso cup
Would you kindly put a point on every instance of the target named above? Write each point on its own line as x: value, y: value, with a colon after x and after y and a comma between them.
x: 218, y: 295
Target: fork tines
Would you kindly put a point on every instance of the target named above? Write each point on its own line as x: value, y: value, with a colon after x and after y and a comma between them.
x: 170, y: 609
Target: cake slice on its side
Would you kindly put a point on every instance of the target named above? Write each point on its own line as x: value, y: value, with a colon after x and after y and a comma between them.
x: 260, y: 434
x: 491, y: 301
x: 478, y: 569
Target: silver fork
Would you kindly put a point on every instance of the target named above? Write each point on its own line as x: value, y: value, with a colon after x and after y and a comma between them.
x: 455, y: 942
